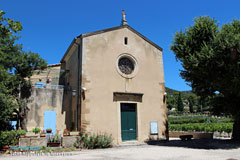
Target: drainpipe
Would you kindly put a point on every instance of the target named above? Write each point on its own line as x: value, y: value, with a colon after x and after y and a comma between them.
x: 79, y: 83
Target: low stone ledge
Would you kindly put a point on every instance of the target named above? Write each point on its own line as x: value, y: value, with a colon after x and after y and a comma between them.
x: 33, y: 142
x: 32, y: 135
x: 196, y: 135
x: 24, y: 142
x: 222, y: 135
x: 68, y: 141
x: 39, y: 142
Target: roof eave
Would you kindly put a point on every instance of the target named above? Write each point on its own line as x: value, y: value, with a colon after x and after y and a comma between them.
x: 72, y: 43
x: 107, y: 30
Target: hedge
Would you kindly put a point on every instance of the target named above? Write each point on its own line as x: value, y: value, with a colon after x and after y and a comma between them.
x: 197, y: 119
x: 206, y: 127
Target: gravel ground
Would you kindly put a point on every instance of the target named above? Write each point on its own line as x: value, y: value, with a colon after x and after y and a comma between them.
x: 172, y: 150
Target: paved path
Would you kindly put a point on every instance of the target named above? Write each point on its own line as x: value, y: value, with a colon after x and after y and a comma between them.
x: 173, y: 150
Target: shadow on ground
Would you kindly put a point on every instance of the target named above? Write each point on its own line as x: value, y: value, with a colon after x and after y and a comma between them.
x: 198, y: 144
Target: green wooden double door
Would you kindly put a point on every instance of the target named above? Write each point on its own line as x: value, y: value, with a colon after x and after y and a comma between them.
x: 128, y: 121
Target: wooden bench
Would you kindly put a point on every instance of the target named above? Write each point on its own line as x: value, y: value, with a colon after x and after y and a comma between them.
x: 186, y: 137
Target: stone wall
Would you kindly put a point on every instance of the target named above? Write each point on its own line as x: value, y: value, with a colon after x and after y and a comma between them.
x: 33, y: 142
x: 197, y: 135
x: 68, y: 141
x: 52, y: 72
x: 45, y: 99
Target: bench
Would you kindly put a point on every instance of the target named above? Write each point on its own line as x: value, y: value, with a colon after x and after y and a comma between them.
x: 186, y: 137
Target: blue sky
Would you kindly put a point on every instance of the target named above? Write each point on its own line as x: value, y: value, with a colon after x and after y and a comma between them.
x: 50, y: 25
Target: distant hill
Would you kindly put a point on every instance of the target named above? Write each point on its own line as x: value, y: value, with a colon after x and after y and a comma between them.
x: 172, y: 97
x: 174, y: 92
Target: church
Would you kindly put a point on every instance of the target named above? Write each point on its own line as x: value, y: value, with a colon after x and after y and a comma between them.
x: 114, y: 83
x: 118, y: 77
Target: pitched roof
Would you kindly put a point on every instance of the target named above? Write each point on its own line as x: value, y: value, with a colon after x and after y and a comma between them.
x: 111, y: 29
x: 54, y: 65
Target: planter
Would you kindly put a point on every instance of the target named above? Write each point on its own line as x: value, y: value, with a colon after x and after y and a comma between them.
x: 53, y: 144
x: 43, y: 135
x: 31, y: 135
x: 49, y: 131
x: 196, y: 135
x: 74, y: 133
x: 66, y: 134
x: 22, y: 136
x: 5, y: 148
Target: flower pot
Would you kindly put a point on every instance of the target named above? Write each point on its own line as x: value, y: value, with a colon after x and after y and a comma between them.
x: 66, y: 134
x: 5, y: 148
x: 49, y: 131
x: 74, y: 133
x: 31, y: 135
x: 53, y: 144
x: 22, y: 136
x: 43, y: 135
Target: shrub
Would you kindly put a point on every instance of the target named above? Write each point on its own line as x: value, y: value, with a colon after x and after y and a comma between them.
x: 36, y: 130
x: 21, y: 132
x: 98, y: 141
x: 9, y: 138
x: 93, y: 141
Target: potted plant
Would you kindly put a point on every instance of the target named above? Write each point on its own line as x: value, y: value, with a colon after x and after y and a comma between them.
x: 49, y: 130
x: 36, y: 130
x: 54, y: 141
x: 21, y: 133
x: 42, y: 133
x: 66, y: 132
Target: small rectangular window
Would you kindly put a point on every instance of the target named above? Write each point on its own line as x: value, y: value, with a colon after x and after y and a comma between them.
x: 125, y: 40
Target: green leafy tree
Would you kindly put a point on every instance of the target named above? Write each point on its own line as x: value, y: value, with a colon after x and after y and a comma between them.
x: 171, y: 101
x: 199, y: 106
x: 180, y: 105
x: 210, y: 59
x: 7, y: 104
x: 15, y: 66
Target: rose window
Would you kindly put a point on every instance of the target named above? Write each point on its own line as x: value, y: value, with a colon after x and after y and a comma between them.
x: 125, y: 65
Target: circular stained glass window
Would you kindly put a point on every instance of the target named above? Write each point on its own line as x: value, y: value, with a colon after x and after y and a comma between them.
x: 125, y: 65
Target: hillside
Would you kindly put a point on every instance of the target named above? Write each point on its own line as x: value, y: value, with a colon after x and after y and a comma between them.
x: 173, y: 92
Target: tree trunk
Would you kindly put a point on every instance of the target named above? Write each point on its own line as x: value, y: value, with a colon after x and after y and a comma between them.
x: 23, y: 123
x: 23, y: 117
x: 236, y: 129
x: 17, y: 125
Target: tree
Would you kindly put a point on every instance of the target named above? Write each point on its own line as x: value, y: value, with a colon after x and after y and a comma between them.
x: 7, y: 104
x: 180, y: 103
x: 191, y: 103
x: 210, y: 59
x: 171, y: 102
x: 199, y: 106
x: 15, y: 66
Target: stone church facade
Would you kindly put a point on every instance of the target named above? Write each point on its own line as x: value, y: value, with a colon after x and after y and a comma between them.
x: 115, y: 82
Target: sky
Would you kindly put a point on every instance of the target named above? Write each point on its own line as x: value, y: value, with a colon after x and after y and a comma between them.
x: 49, y: 26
